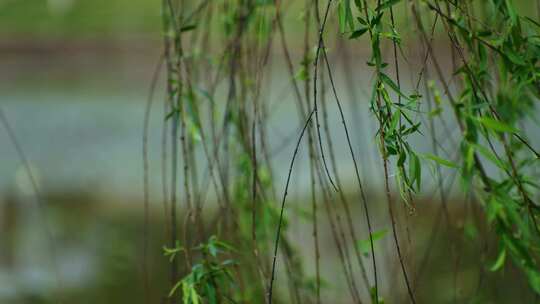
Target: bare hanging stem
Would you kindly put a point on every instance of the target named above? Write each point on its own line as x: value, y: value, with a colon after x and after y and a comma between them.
x: 315, y: 76
x: 357, y: 173
x: 278, y: 233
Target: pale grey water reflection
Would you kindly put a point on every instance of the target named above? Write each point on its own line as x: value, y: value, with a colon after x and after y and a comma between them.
x: 91, y: 137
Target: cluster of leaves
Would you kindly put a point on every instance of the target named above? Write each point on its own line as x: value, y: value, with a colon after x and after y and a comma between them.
x: 498, y: 85
x: 208, y: 279
x: 494, y: 100
x: 396, y: 115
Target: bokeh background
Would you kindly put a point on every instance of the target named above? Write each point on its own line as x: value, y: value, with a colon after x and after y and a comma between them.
x: 74, y: 79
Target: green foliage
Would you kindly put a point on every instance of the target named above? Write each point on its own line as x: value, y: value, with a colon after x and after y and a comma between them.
x: 210, y: 278
x: 490, y: 112
x: 494, y: 85
x: 365, y: 245
x: 487, y: 111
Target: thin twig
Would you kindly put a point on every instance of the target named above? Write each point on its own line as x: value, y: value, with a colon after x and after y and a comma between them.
x: 278, y: 233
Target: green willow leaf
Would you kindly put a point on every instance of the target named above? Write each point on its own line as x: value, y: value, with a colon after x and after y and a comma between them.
x: 511, y: 12
x: 187, y: 28
x: 440, y: 161
x: 388, y: 81
x: 489, y: 155
x: 358, y: 33
x: 387, y: 4
x: 496, y: 125
x: 365, y: 245
x: 341, y: 17
x: 416, y: 170
x: 345, y: 16
x: 499, y: 262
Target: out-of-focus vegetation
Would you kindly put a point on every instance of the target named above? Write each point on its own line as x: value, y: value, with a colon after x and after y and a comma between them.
x: 79, y: 19
x: 112, y: 19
